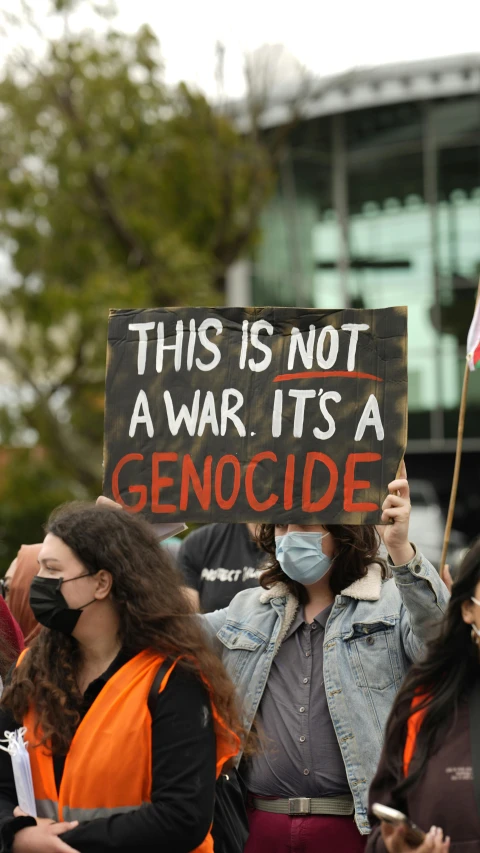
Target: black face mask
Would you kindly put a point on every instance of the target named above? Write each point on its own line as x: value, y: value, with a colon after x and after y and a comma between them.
x: 50, y: 607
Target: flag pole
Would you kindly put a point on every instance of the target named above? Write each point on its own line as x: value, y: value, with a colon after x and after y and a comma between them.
x: 456, y: 470
x: 458, y: 458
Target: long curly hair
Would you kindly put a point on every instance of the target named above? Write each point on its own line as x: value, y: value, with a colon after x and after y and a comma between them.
x: 153, y: 614
x: 356, y: 547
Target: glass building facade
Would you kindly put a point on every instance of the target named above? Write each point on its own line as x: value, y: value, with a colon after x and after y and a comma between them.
x: 380, y: 205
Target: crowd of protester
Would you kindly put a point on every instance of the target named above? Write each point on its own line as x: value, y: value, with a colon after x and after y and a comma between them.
x: 268, y: 690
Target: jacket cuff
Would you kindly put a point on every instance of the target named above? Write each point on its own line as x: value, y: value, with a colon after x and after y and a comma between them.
x: 414, y: 565
x: 9, y: 829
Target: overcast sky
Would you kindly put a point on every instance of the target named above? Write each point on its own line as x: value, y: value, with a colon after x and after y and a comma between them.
x: 328, y: 36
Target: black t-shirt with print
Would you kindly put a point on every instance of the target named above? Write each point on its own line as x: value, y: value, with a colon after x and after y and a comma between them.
x: 219, y: 560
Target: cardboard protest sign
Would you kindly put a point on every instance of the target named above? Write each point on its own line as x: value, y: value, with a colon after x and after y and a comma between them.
x: 247, y: 414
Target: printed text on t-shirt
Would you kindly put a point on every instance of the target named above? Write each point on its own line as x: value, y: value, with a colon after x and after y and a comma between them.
x: 230, y: 575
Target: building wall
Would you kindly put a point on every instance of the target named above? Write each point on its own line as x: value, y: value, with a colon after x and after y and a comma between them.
x: 381, y: 207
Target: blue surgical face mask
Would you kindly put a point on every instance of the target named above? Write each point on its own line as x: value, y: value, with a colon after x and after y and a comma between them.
x: 301, y: 556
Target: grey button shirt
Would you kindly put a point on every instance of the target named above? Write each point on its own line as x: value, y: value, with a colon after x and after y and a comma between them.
x: 301, y: 756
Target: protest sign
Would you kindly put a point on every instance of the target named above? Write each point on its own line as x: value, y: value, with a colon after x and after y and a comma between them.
x: 248, y: 414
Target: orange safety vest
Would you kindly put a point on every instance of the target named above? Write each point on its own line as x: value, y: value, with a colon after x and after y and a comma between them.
x: 108, y: 768
x: 414, y: 725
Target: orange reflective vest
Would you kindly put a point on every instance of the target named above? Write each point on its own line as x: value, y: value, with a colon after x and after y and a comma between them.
x: 108, y: 768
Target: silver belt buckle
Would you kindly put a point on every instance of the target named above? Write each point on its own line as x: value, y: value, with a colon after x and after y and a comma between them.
x: 299, y: 805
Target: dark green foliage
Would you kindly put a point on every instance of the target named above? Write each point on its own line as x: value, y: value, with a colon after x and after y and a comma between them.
x: 114, y: 192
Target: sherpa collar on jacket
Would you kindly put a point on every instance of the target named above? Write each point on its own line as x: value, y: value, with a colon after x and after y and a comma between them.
x: 368, y: 588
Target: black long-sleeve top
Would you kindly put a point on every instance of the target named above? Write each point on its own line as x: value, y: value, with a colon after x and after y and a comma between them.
x: 183, y: 776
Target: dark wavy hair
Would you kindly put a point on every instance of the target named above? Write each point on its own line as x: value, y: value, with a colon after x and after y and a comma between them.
x: 443, y: 678
x: 153, y: 613
x: 356, y: 547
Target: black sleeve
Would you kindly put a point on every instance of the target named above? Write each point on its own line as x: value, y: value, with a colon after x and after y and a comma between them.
x: 183, y: 781
x: 190, y: 559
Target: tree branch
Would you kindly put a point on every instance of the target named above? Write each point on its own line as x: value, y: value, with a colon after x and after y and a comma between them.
x: 136, y: 253
x: 68, y: 451
x: 78, y: 362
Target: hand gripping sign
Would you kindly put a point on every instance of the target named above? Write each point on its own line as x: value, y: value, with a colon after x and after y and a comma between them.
x: 247, y: 414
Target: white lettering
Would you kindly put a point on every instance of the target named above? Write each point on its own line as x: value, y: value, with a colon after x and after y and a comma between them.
x: 243, y: 348
x: 370, y: 417
x: 329, y: 395
x: 277, y: 414
x: 190, y: 417
x: 208, y: 574
x: 162, y: 346
x: 142, y: 329
x: 354, y: 328
x: 305, y: 350
x: 300, y: 396
x: 191, y: 344
x: 250, y: 574
x: 227, y: 412
x: 211, y: 323
x: 223, y: 575
x: 141, y: 415
x: 257, y: 367
x: 328, y: 362
x: 209, y: 415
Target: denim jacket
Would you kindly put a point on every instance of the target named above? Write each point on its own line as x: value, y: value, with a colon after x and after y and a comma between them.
x: 375, y: 630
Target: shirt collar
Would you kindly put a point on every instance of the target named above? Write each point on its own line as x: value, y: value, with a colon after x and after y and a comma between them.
x: 299, y: 620
x: 322, y: 617
x: 95, y: 686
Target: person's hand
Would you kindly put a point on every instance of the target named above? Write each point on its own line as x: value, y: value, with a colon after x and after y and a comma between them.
x: 17, y: 812
x: 103, y: 501
x: 447, y: 578
x: 43, y: 838
x: 396, y: 515
x: 394, y: 840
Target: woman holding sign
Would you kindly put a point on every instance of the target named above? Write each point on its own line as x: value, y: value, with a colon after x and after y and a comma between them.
x: 129, y: 714
x: 317, y: 656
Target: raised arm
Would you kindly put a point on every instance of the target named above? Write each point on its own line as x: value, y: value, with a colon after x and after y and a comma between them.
x: 423, y: 593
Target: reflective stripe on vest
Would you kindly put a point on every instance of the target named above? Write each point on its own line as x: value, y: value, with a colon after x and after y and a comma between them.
x: 91, y: 814
x: 108, y: 768
x: 47, y: 808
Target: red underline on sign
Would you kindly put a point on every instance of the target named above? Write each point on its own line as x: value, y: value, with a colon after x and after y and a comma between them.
x: 319, y: 374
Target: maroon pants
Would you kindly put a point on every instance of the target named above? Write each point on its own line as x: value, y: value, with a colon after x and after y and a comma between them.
x: 278, y: 833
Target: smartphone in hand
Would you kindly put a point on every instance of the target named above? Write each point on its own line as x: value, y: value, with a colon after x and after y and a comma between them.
x: 413, y: 835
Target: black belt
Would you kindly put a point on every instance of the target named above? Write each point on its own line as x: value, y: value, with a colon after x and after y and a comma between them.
x: 341, y: 805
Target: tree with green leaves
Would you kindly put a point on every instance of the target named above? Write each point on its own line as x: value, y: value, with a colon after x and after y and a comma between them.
x: 114, y: 192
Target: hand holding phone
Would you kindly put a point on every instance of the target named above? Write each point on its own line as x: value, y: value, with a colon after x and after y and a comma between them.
x: 411, y: 833
x: 401, y: 835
